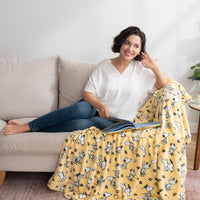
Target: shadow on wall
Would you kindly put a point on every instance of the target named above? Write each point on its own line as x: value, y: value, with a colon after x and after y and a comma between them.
x: 190, y: 49
x: 193, y: 8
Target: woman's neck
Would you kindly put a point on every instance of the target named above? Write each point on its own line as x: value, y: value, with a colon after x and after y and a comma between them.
x: 120, y: 64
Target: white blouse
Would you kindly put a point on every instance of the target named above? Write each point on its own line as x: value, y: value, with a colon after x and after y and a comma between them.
x: 121, y: 93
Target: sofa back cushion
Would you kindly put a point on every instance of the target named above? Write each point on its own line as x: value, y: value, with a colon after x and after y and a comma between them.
x: 73, y: 77
x: 29, y: 87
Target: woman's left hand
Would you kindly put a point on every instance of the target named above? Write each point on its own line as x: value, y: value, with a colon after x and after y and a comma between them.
x: 147, y: 61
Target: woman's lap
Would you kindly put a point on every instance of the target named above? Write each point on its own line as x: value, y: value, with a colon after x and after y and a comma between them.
x: 79, y: 124
x: 76, y: 117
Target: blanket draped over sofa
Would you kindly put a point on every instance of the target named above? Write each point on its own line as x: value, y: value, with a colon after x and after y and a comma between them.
x: 147, y: 164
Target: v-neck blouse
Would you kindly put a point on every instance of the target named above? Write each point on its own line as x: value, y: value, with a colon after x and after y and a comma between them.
x: 121, y: 93
x: 124, y: 72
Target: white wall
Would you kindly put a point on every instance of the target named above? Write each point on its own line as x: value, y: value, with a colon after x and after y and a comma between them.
x: 83, y: 30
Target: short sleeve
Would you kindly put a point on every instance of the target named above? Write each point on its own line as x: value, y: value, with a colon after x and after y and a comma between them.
x: 147, y: 84
x: 149, y: 80
x: 94, y: 82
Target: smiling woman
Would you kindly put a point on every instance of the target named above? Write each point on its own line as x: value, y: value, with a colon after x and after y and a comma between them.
x: 136, y: 73
x: 130, y: 49
x: 135, y: 46
x: 139, y: 40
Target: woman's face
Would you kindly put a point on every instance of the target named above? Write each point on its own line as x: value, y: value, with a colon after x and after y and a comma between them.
x: 131, y: 47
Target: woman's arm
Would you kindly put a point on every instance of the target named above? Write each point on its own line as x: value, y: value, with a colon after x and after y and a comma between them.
x: 148, y: 62
x: 103, y: 110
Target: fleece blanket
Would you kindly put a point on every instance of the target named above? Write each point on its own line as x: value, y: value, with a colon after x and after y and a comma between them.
x: 146, y: 164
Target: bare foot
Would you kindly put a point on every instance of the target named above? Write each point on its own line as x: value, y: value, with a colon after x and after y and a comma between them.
x: 12, y: 129
x: 15, y: 121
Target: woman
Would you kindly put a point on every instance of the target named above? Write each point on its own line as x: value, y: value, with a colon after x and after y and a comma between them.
x: 115, y: 88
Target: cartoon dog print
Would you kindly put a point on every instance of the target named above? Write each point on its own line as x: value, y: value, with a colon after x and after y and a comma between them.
x: 144, y: 150
x: 91, y: 155
x: 126, y: 190
x: 81, y: 138
x: 65, y: 150
x: 118, y: 166
x: 126, y: 161
x: 149, y: 189
x: 130, y: 145
x: 89, y: 183
x: 172, y: 149
x: 118, y: 149
x: 171, y: 182
x: 135, y: 137
x: 106, y: 195
x: 87, y: 170
x: 102, y: 163
x: 81, y: 156
x: 100, y: 180
x: 71, y: 187
x: 82, y: 195
x: 131, y: 175
x: 165, y: 136
x: 108, y: 148
x: 167, y: 165
x: 61, y: 176
x: 78, y: 179
x: 145, y: 167
x: 111, y: 179
x: 68, y: 162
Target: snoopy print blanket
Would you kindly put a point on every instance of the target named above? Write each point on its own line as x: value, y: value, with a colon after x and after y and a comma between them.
x: 146, y: 164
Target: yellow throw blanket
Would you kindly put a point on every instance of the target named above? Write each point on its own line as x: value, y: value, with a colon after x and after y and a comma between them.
x: 148, y: 164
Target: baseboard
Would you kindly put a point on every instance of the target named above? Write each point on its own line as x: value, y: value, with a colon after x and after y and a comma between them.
x: 2, y: 177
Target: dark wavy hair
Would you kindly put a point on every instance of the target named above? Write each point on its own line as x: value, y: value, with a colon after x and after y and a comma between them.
x: 119, y: 39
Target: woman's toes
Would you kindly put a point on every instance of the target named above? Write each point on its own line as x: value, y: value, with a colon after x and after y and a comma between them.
x: 15, y: 121
x: 10, y: 129
x: 7, y: 130
x: 11, y: 121
x: 16, y: 128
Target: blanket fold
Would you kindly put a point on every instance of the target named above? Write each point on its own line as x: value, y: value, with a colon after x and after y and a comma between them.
x: 147, y: 164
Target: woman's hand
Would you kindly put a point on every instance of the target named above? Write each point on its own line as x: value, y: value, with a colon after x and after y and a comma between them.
x: 147, y: 61
x: 104, y: 112
x: 102, y: 109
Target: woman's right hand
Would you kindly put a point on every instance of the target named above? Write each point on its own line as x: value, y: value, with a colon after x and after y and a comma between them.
x: 102, y: 109
x: 104, y: 112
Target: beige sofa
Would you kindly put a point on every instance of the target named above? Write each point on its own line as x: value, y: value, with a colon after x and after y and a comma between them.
x: 30, y: 88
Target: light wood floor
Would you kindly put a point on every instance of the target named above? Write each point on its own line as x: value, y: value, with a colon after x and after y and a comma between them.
x: 190, y: 152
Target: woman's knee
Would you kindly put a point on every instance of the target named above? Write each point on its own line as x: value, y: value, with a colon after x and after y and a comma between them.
x: 84, y: 110
x: 100, y: 123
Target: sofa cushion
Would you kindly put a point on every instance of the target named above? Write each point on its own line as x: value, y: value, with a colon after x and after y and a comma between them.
x: 2, y: 125
x: 29, y: 87
x: 73, y: 77
x: 31, y: 143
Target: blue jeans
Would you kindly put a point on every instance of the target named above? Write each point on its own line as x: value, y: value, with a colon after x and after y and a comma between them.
x: 76, y: 117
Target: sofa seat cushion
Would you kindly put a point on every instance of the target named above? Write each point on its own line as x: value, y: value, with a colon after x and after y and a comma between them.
x: 2, y: 124
x: 72, y: 80
x: 29, y: 87
x: 32, y: 143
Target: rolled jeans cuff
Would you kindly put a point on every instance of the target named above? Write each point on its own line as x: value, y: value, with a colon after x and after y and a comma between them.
x: 33, y: 129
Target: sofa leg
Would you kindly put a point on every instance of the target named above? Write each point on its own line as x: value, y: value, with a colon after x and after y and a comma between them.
x: 2, y: 177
